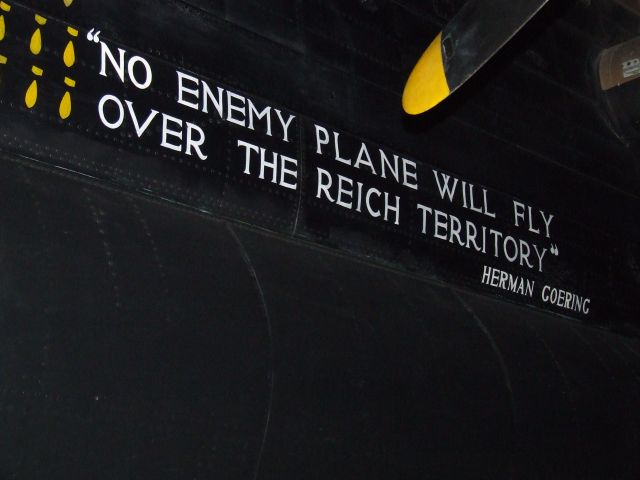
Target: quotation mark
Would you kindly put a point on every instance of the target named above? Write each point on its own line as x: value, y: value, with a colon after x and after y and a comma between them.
x: 554, y: 250
x: 93, y: 37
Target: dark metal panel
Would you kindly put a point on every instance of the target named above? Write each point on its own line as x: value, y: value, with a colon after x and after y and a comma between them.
x: 141, y: 339
x: 565, y: 379
x: 134, y: 342
x: 368, y: 378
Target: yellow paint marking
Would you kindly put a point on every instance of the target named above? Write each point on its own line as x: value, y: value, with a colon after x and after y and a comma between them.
x: 32, y: 94
x: 65, y: 106
x: 72, y: 31
x: 65, y: 103
x: 37, y: 71
x: 3, y: 60
x: 69, y: 55
x: 67, y: 3
x: 35, y: 45
x: 5, y: 7
x: 427, y: 85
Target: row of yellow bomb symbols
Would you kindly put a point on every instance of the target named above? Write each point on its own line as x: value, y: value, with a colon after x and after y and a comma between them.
x: 35, y: 47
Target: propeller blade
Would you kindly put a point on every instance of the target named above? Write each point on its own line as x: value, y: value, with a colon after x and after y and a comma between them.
x: 467, y: 42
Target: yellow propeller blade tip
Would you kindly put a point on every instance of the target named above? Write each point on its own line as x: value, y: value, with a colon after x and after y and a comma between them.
x: 427, y: 85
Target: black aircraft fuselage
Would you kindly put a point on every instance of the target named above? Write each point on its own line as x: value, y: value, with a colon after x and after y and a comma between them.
x: 226, y: 252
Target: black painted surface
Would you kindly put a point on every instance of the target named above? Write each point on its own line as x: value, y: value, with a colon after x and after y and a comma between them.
x: 478, y: 31
x: 141, y: 339
x: 133, y: 343
x: 525, y: 136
